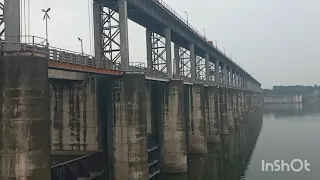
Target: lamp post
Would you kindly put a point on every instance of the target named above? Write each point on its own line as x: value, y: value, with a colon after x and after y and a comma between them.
x: 81, y: 45
x: 216, y: 43
x: 204, y: 33
x: 187, y: 17
x: 46, y: 17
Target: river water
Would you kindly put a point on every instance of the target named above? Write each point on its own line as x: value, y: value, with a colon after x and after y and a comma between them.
x: 275, y: 132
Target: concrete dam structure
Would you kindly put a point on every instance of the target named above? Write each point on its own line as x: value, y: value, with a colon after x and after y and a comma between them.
x: 70, y: 116
x: 140, y: 124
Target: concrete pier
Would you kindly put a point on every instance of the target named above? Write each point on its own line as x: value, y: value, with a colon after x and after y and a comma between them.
x: 235, y: 108
x: 230, y: 118
x: 197, y: 129
x: 212, y: 124
x: 24, y: 118
x: 130, y: 131
x: 148, y: 108
x: 218, y: 122
x: 243, y: 110
x: 223, y: 111
x: 174, y: 130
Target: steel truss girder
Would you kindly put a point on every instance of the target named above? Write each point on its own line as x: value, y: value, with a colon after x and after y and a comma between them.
x: 229, y: 76
x: 200, y: 68
x: 158, y: 53
x: 110, y: 34
x: 2, y: 28
x: 107, y: 35
x: 212, y: 72
x: 222, y: 75
x: 184, y: 62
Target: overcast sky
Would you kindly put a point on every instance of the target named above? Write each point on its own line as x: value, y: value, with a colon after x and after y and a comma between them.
x: 277, y: 41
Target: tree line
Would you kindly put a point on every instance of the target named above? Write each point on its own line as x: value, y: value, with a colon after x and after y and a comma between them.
x: 298, y: 89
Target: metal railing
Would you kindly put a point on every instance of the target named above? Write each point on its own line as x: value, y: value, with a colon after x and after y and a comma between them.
x: 153, y: 155
x: 200, y: 35
x: 90, y: 167
x: 38, y: 46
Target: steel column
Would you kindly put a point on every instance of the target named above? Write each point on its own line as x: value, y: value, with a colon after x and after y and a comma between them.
x: 217, y: 73
x: 224, y: 74
x: 149, y: 49
x: 124, y: 37
x: 176, y: 62
x: 97, y: 19
x: 193, y: 63
x: 207, y: 58
x: 167, y: 35
x: 11, y: 18
x: 232, y: 77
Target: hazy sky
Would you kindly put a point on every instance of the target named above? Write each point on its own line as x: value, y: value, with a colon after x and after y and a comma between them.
x: 276, y: 41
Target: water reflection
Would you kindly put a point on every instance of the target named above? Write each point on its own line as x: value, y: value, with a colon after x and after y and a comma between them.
x: 291, y: 109
x: 227, y: 160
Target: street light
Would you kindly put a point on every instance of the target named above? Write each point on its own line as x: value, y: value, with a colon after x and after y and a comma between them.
x: 224, y: 51
x: 46, y: 17
x: 204, y: 31
x: 81, y: 45
x: 187, y: 17
x: 216, y: 43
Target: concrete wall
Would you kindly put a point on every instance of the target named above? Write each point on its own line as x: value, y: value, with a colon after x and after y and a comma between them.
x: 24, y: 118
x: 73, y: 117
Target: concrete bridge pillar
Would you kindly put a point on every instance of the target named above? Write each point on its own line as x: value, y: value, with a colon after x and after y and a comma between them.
x: 148, y: 108
x: 218, y: 123
x: 212, y: 128
x: 223, y: 110
x: 174, y: 130
x: 197, y: 128
x: 130, y: 131
x: 24, y: 118
x: 230, y: 110
x: 206, y: 109
x: 243, y: 104
x: 235, y: 107
x: 240, y: 114
x: 246, y: 103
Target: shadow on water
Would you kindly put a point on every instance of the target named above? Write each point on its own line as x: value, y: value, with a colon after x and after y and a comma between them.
x: 227, y: 160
